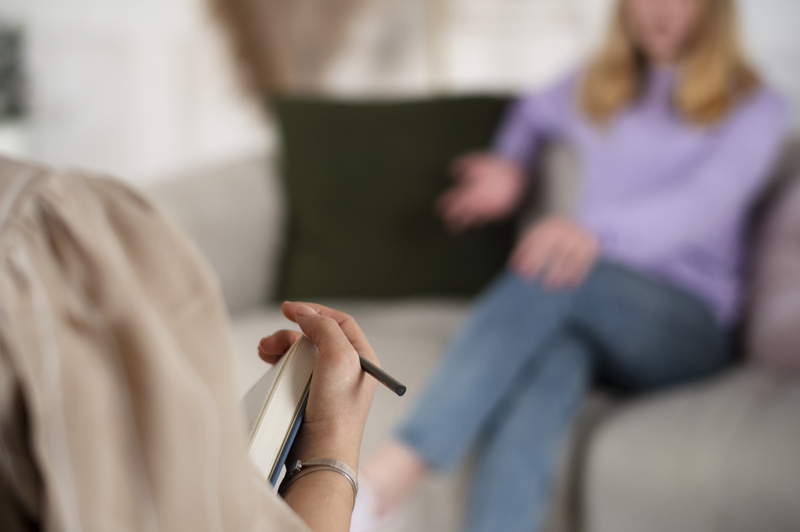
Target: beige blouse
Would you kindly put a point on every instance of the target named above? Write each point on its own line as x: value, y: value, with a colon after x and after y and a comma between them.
x: 117, y: 410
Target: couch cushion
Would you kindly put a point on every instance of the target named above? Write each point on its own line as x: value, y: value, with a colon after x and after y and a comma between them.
x: 362, y: 179
x: 720, y: 455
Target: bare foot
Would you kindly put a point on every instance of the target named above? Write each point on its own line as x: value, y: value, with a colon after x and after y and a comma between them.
x: 394, y: 470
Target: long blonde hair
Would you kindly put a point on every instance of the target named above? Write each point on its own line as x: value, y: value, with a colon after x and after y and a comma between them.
x: 713, y: 73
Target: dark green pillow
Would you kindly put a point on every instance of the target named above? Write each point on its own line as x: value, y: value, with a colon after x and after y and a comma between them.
x: 361, y: 181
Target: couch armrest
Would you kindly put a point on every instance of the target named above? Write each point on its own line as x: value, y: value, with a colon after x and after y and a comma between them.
x: 715, y: 455
x: 235, y: 215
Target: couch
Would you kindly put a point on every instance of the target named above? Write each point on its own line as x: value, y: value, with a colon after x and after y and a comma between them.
x: 718, y: 455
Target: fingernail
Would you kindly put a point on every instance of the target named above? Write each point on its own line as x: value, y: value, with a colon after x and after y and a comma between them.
x: 304, y: 310
x: 262, y: 342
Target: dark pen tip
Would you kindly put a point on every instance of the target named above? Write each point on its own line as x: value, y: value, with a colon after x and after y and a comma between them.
x: 400, y: 390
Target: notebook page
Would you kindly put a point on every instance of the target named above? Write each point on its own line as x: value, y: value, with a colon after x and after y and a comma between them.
x: 256, y: 397
x: 282, y: 406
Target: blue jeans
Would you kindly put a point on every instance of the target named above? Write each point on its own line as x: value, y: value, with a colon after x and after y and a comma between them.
x: 516, y: 373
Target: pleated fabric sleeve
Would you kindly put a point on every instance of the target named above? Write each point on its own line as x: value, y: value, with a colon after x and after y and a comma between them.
x: 117, y: 409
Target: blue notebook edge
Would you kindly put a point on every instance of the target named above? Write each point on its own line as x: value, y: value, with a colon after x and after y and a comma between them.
x: 276, y: 473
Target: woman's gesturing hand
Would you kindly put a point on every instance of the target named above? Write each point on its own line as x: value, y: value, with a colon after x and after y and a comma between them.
x: 489, y: 188
x: 556, y: 250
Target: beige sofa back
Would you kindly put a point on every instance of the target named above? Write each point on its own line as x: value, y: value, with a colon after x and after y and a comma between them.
x: 235, y: 214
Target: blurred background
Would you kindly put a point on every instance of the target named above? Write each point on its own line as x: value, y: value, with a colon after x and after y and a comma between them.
x: 144, y: 89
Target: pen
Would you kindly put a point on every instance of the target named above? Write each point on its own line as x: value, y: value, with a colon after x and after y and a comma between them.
x: 382, y: 377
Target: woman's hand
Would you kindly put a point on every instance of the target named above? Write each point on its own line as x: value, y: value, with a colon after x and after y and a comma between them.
x: 341, y: 393
x: 489, y: 188
x: 557, y: 250
x: 338, y: 404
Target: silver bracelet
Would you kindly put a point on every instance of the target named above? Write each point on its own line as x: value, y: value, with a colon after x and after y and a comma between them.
x: 300, y: 469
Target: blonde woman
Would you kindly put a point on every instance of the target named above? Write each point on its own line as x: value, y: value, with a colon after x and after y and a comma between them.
x: 676, y: 134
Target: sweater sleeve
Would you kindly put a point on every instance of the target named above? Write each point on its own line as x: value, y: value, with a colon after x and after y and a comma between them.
x: 711, y: 198
x: 532, y: 119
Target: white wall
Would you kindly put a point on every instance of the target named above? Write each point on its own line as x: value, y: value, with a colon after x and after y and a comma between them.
x: 418, y: 46
x: 518, y: 44
x: 511, y: 45
x: 145, y: 88
x: 771, y: 30
x: 138, y: 88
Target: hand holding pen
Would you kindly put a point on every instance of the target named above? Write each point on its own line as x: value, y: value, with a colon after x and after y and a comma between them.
x: 339, y: 400
x: 272, y: 347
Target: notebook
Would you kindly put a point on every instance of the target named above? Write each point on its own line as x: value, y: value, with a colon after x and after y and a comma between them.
x: 274, y: 408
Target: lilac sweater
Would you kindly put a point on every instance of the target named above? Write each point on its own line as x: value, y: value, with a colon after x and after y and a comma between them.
x: 663, y: 196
